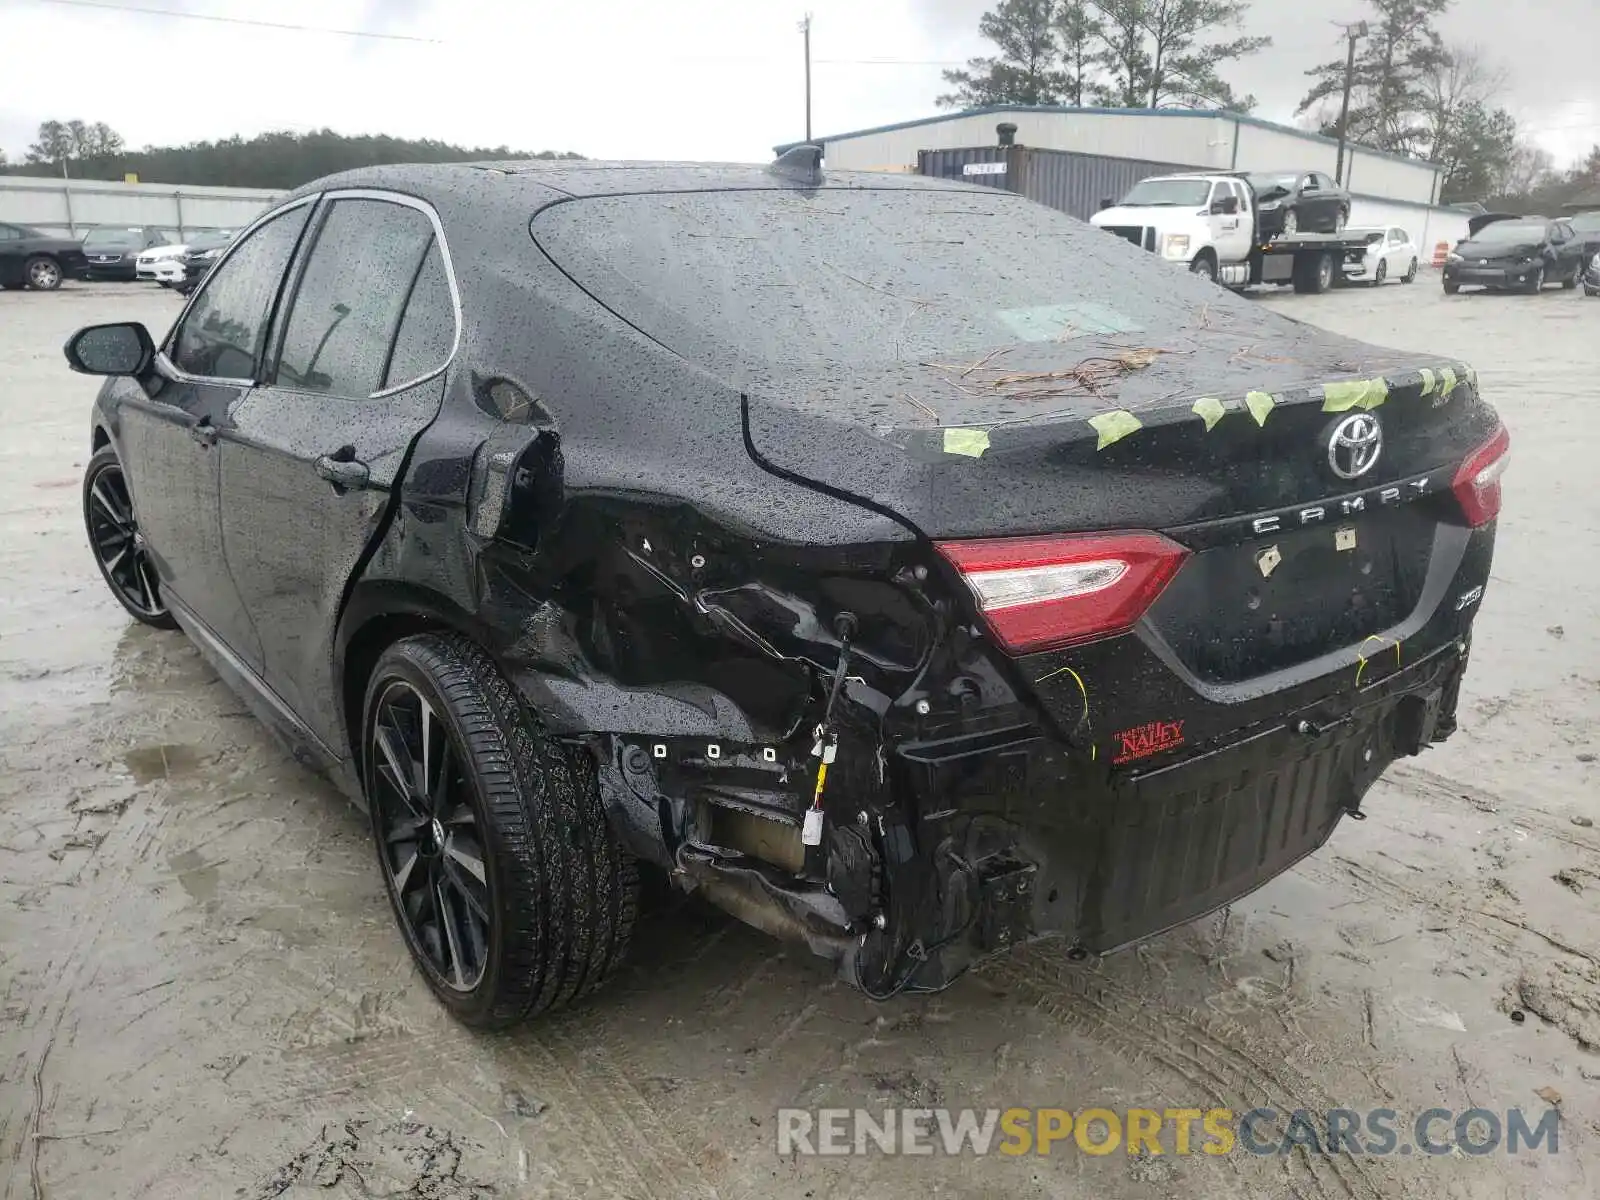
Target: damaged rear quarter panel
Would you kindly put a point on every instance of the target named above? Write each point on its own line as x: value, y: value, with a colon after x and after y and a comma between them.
x: 640, y: 574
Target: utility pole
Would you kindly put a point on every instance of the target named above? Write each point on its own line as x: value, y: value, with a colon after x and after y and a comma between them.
x: 1353, y: 34
x: 805, y: 28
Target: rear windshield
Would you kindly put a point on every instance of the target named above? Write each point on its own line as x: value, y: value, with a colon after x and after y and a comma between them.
x: 113, y: 239
x: 1588, y: 222
x: 1160, y: 193
x: 755, y: 280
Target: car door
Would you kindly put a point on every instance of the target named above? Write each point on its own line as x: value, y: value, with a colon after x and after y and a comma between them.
x: 1308, y: 203
x: 1231, y: 233
x: 313, y: 455
x: 167, y: 436
x: 1569, y: 250
x: 10, y: 256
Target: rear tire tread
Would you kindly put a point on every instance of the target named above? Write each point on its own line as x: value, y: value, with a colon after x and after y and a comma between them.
x: 567, y: 894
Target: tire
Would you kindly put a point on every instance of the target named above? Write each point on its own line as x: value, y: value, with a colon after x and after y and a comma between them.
x: 1572, y: 282
x: 1535, y: 282
x: 1450, y: 289
x: 43, y: 273
x: 1313, y: 273
x: 1411, y: 273
x: 1291, y: 222
x: 1205, y: 266
x: 1381, y: 273
x: 515, y: 846
x: 116, y: 543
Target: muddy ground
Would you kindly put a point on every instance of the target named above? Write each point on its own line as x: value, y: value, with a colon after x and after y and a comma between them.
x: 203, y: 994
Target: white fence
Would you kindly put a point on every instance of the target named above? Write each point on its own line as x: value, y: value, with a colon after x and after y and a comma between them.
x: 72, y: 207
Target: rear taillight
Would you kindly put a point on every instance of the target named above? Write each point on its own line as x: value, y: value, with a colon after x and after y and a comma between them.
x: 1477, y: 483
x: 1043, y: 592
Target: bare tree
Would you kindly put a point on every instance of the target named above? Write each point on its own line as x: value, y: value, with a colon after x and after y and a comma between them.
x: 1530, y: 167
x: 1465, y: 76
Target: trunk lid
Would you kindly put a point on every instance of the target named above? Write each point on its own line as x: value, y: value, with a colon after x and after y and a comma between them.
x: 1309, y: 477
x: 1158, y: 432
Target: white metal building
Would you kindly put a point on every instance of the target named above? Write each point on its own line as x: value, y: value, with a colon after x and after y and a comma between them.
x: 72, y: 207
x: 1387, y: 189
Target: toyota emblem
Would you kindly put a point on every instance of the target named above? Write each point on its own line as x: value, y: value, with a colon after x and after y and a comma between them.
x: 1355, y: 445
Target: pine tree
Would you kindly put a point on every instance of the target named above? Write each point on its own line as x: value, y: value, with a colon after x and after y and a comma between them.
x: 1027, y: 69
x: 1388, y: 98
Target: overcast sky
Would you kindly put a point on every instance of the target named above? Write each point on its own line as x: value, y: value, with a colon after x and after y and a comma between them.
x: 693, y: 79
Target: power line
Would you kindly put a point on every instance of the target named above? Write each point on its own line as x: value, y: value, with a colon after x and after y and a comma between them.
x: 193, y: 16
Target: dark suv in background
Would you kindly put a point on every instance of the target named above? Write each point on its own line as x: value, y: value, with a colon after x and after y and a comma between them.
x: 30, y: 258
x: 114, y: 253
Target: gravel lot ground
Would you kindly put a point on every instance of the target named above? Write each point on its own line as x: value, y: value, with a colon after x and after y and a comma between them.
x: 204, y: 996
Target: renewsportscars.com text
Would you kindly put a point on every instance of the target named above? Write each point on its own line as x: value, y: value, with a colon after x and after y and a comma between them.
x: 1176, y: 1131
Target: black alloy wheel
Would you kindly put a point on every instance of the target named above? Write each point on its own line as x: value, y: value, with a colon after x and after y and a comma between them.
x: 509, y: 886
x: 1381, y: 273
x: 1535, y: 281
x: 119, y: 547
x: 430, y: 842
x: 1411, y: 273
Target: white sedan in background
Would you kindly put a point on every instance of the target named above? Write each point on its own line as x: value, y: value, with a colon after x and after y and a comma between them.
x: 165, y: 265
x: 1391, y: 254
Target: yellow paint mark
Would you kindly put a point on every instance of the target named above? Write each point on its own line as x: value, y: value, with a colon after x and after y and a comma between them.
x: 1260, y: 405
x: 1114, y: 426
x: 1447, y: 380
x: 1428, y: 381
x: 1077, y: 679
x: 971, y: 442
x: 1210, y: 410
x: 1354, y: 393
x: 1361, y: 654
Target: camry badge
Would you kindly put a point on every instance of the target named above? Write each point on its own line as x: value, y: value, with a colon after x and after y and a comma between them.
x: 1354, y: 446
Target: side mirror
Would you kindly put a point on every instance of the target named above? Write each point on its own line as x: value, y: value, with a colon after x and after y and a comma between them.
x: 121, y: 349
x: 1105, y: 202
x: 1225, y: 207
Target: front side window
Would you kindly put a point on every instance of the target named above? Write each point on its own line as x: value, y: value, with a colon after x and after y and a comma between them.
x: 223, y: 334
x: 7, y: 233
x: 347, y: 309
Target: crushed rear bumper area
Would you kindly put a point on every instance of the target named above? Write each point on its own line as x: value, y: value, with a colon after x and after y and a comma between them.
x: 1109, y: 865
x: 1012, y: 835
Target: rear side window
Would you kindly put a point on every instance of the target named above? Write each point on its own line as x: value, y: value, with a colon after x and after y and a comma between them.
x: 224, y: 332
x: 428, y: 330
x: 348, y: 306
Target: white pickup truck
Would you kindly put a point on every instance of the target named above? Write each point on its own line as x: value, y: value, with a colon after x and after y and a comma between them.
x: 1210, y: 224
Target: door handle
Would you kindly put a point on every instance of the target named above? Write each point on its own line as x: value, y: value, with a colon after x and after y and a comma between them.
x: 342, y: 469
x: 204, y: 432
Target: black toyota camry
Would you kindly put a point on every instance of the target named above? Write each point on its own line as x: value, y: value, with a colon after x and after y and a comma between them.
x: 903, y: 566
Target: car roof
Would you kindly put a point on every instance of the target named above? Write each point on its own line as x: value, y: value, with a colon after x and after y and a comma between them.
x: 545, y: 180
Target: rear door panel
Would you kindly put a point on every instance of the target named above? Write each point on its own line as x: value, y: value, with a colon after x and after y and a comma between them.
x: 294, y: 536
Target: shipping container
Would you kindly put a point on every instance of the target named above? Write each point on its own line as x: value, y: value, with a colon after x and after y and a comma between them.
x: 1076, y: 184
